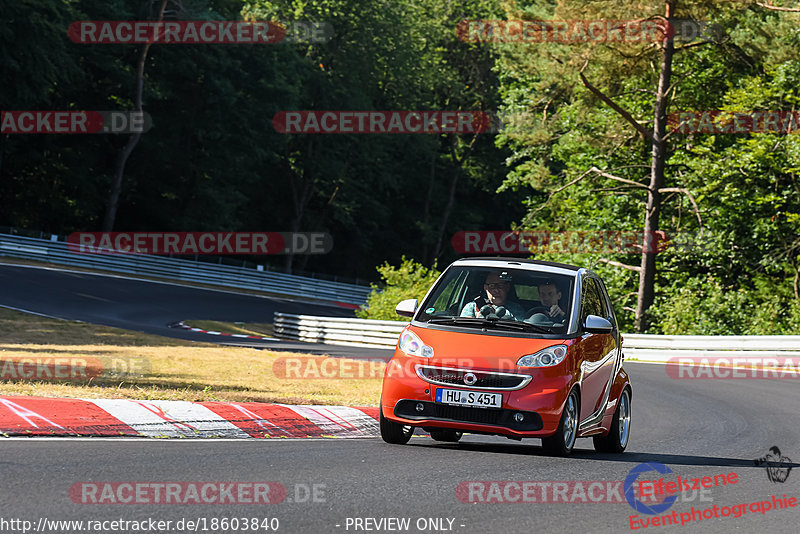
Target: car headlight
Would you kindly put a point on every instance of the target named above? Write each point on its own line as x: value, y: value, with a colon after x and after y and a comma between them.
x: 544, y: 358
x: 413, y: 345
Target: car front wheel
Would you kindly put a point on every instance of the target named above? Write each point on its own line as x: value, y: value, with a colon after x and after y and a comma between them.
x: 392, y: 432
x: 561, y: 443
x: 618, y: 435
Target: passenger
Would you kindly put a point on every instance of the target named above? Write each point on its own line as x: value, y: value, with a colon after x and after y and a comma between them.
x: 497, y: 288
x: 550, y: 311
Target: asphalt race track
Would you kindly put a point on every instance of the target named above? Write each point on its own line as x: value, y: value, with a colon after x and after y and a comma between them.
x: 150, y: 307
x: 696, y: 428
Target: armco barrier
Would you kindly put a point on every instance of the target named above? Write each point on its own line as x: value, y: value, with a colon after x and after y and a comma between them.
x: 337, y: 331
x: 644, y: 347
x: 660, y: 348
x: 184, y: 270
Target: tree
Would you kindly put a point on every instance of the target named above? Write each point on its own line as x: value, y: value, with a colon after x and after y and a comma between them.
x: 623, y: 68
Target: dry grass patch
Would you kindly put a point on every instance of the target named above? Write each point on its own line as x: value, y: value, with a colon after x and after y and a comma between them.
x: 143, y: 366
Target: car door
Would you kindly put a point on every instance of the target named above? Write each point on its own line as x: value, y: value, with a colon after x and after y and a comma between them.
x: 597, y: 351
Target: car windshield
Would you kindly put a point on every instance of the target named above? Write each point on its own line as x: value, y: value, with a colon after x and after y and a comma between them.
x: 500, y: 298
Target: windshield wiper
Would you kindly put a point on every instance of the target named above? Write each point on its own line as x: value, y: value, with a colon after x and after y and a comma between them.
x: 521, y: 325
x: 467, y: 321
x: 491, y: 323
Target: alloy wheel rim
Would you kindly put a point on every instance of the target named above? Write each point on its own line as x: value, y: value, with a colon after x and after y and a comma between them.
x: 624, y: 418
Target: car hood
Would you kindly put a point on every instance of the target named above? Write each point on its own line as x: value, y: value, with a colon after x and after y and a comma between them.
x: 479, y: 350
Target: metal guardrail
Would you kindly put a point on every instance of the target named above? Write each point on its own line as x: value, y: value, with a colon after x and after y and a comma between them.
x: 184, y: 270
x: 337, y: 331
x: 663, y: 347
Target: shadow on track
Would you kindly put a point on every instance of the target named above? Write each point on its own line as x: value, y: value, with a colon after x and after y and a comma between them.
x: 528, y: 449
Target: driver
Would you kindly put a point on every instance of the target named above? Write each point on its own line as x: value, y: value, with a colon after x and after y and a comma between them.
x: 497, y: 287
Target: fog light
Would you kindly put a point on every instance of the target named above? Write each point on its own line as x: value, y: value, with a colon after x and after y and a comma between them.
x: 518, y: 417
x: 420, y: 407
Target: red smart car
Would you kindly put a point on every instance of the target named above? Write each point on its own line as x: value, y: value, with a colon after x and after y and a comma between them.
x: 519, y: 348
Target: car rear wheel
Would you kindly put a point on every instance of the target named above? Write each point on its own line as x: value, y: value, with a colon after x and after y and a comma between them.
x: 561, y: 443
x: 392, y: 432
x: 445, y: 434
x: 618, y: 435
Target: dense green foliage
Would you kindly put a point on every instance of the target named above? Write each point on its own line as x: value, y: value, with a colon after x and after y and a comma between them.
x: 410, y: 280
x: 213, y: 161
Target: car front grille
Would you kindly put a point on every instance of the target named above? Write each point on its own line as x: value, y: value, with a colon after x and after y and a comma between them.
x: 449, y: 376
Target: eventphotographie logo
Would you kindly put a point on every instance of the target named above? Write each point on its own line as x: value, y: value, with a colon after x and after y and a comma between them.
x: 778, y: 466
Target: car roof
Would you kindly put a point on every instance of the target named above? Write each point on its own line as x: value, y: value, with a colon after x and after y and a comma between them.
x: 483, y: 261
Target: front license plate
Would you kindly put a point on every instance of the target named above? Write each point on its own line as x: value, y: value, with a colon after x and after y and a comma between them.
x: 476, y: 399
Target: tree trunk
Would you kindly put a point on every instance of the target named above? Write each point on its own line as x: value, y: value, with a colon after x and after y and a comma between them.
x: 122, y: 157
x: 647, y: 274
x: 300, y: 198
x: 426, y: 245
x: 458, y: 164
x: 451, y: 199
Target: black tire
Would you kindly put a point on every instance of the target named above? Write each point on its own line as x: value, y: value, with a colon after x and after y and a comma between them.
x: 392, y: 432
x: 445, y: 434
x: 620, y: 432
x: 562, y: 442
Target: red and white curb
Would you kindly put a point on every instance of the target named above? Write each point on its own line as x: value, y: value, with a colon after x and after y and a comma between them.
x: 42, y: 416
x: 214, y: 333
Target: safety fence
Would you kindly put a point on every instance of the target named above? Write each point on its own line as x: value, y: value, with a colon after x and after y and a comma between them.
x: 337, y: 331
x: 645, y: 347
x: 54, y: 251
x: 648, y: 347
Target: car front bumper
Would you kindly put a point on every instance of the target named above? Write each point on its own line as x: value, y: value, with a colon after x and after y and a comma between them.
x: 410, y: 400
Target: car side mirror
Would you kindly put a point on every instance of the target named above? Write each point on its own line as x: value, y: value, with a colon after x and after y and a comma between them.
x: 407, y: 308
x: 597, y: 325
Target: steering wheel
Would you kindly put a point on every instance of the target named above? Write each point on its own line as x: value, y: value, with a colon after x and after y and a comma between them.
x: 538, y: 309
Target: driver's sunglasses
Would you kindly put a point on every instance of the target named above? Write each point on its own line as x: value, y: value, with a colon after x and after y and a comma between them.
x: 501, y: 285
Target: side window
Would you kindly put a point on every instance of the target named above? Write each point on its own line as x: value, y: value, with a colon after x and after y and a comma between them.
x: 610, y: 315
x: 591, y: 300
x: 449, y: 294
